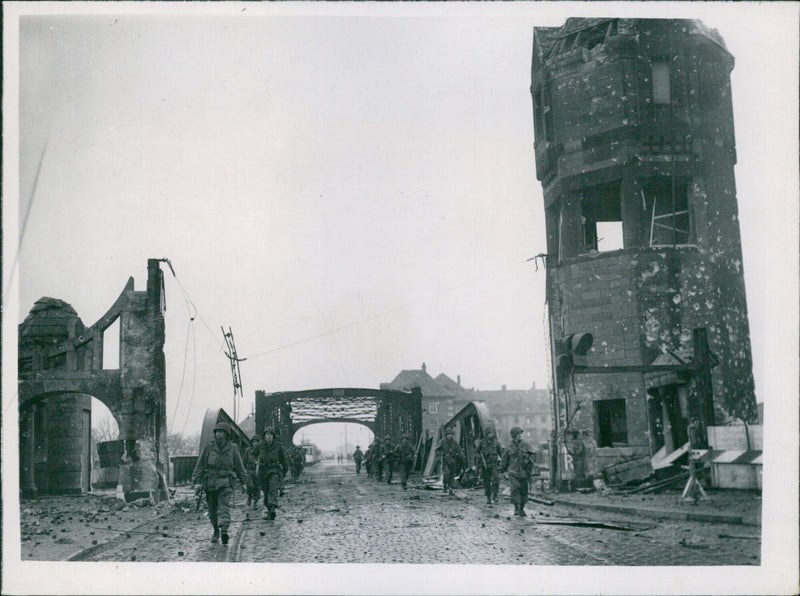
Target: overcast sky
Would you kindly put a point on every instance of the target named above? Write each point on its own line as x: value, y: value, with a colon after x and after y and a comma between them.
x: 352, y: 196
x: 352, y: 191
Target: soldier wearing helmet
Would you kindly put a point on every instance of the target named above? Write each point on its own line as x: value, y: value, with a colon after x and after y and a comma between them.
x: 489, y: 452
x: 272, y: 467
x: 214, y: 472
x: 404, y: 457
x: 358, y: 455
x: 452, y: 460
x: 518, y: 460
x: 251, y: 465
x: 387, y: 451
x: 377, y: 458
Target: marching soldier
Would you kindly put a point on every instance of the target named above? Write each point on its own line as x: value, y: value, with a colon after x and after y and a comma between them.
x: 299, y: 461
x: 357, y: 457
x: 452, y: 461
x: 387, y: 452
x: 368, y: 461
x: 219, y: 462
x: 251, y: 466
x: 518, y: 460
x: 377, y: 458
x: 404, y: 457
x: 489, y: 451
x: 272, y: 467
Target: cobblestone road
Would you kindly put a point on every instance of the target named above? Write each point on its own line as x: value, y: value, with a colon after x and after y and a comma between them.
x: 335, y: 516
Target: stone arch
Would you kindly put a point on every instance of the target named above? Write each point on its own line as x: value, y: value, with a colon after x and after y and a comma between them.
x: 60, y: 356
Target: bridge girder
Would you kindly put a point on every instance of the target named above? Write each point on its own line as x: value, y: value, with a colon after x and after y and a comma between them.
x: 385, y: 412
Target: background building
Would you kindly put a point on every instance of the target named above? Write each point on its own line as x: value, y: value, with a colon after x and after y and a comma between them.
x: 635, y: 151
x: 527, y: 408
x: 442, y: 398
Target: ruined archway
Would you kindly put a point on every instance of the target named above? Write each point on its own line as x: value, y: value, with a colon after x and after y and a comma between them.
x: 60, y: 358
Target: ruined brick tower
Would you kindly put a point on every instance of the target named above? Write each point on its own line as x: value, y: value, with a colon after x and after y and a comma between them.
x: 635, y: 151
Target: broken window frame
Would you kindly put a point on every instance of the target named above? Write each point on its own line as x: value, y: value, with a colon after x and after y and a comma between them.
x: 588, y: 38
x: 669, y: 213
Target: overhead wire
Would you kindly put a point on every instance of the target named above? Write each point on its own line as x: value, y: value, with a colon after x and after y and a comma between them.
x: 194, y: 380
x: 381, y: 314
x: 183, y: 374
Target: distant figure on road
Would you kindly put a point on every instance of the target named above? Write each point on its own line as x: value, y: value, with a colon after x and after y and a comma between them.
x: 251, y: 465
x: 452, y: 461
x: 216, y: 467
x: 489, y: 452
x: 297, y: 460
x: 377, y: 458
x: 388, y: 459
x: 404, y: 459
x: 368, y: 461
x: 272, y: 466
x: 518, y: 460
x: 357, y: 457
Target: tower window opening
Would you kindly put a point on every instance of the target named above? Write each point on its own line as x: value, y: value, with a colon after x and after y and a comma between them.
x: 661, y: 85
x: 543, y: 118
x: 612, y: 422
x: 601, y: 218
x: 668, y: 206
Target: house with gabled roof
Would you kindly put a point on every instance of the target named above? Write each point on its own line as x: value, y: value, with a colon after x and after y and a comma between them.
x: 440, y: 400
x: 443, y: 398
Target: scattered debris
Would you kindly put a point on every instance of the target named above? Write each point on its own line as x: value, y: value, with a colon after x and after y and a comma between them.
x: 586, y: 523
x: 541, y: 501
x: 652, y: 486
x: 740, y: 536
x: 693, y: 542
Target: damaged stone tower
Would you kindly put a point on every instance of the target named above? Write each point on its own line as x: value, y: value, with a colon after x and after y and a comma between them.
x: 635, y: 150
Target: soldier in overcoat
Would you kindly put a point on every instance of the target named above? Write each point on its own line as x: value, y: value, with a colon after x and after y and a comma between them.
x: 214, y: 472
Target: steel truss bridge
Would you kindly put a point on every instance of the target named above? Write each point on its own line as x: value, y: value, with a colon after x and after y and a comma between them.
x: 386, y: 413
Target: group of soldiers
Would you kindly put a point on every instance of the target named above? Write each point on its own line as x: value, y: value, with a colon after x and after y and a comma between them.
x: 262, y: 470
x: 382, y: 459
x: 266, y: 462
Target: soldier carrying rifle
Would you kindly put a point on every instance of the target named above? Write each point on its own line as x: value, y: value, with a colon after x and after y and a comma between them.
x: 214, y: 472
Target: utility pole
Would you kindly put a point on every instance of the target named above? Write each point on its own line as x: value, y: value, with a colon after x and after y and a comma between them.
x: 235, y: 372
